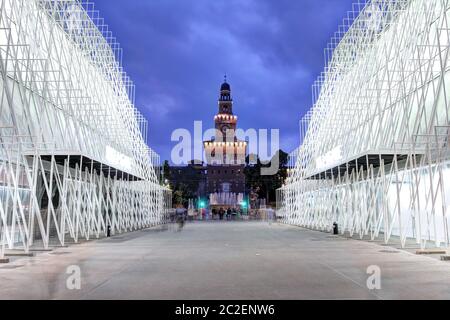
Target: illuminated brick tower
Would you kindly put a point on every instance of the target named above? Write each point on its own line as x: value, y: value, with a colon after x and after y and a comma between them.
x: 225, y: 154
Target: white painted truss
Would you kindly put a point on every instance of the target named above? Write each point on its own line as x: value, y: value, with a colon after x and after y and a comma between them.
x: 73, y: 154
x: 375, y: 158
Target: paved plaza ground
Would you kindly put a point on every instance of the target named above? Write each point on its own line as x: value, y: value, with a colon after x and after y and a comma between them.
x: 226, y: 260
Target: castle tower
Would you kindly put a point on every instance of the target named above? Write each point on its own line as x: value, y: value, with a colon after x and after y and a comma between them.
x: 225, y: 153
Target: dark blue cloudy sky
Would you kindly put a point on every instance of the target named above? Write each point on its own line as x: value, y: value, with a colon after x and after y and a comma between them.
x: 177, y: 51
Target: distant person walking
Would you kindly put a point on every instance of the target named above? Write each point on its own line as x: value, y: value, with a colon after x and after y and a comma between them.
x: 221, y: 213
x: 191, y: 214
x: 180, y: 214
x: 233, y: 214
x: 270, y: 214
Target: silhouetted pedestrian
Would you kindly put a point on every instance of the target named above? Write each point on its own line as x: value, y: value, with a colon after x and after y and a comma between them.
x: 233, y: 213
x: 228, y: 213
x: 180, y: 214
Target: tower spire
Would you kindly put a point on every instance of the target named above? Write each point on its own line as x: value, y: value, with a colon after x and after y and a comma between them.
x: 225, y: 101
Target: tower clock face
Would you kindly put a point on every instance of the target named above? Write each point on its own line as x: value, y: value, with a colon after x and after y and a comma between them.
x: 225, y: 108
x: 224, y: 129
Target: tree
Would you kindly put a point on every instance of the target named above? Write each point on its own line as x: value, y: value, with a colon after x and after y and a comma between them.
x: 181, y: 194
x: 266, y: 185
x: 166, y: 170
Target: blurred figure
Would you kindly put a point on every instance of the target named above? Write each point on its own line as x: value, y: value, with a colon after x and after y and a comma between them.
x: 191, y: 214
x: 221, y: 213
x: 270, y: 214
x: 197, y: 214
x: 180, y: 214
x: 228, y: 214
x: 233, y: 214
x: 172, y: 215
x: 241, y: 214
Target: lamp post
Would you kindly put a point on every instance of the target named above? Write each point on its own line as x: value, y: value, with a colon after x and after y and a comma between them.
x: 244, y: 205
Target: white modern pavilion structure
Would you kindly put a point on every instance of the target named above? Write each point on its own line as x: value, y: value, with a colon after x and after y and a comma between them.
x: 375, y: 158
x: 73, y: 155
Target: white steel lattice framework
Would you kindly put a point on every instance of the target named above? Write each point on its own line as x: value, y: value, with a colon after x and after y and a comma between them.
x: 375, y: 158
x: 73, y: 154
